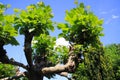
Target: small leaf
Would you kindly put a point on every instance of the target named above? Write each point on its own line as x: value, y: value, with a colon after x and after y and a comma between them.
x: 16, y: 10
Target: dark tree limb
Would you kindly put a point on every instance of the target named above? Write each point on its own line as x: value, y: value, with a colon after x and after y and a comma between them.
x: 5, y: 59
x: 27, y: 47
x: 18, y: 64
x: 12, y: 62
x: 3, y: 56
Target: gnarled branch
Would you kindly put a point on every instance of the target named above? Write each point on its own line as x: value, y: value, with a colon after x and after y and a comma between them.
x: 5, y: 59
x: 68, y: 67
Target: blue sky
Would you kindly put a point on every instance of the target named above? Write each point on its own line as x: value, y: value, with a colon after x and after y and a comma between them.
x: 109, y: 10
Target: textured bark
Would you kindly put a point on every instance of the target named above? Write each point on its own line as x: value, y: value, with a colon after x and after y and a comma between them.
x: 68, y: 67
x: 27, y: 48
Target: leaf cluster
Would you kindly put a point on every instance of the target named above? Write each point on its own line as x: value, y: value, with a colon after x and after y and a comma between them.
x: 6, y: 70
x: 82, y: 27
x: 43, y: 44
x: 96, y: 66
x: 113, y: 53
x: 36, y: 19
x: 7, y: 31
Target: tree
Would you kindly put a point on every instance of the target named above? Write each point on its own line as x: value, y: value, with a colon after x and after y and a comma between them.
x: 82, y: 30
x: 113, y: 53
x: 34, y: 23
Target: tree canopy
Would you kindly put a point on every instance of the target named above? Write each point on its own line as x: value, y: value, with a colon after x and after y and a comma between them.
x: 82, y: 29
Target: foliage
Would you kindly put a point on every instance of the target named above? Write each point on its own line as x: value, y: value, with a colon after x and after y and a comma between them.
x: 23, y: 78
x: 7, y: 70
x: 96, y: 66
x: 83, y: 29
x: 83, y: 26
x: 80, y: 73
x: 7, y: 32
x: 43, y: 45
x: 36, y: 19
x: 113, y: 53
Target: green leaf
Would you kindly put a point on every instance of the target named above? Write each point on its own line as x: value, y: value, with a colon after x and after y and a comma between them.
x: 12, y: 41
x: 62, y: 26
x: 16, y: 10
x: 37, y: 18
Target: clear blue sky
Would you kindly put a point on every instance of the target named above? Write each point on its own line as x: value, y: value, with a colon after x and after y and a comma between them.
x: 109, y: 10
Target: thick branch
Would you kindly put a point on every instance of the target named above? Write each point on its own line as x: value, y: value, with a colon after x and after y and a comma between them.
x: 68, y: 67
x: 3, y: 57
x: 14, y: 63
x: 18, y: 64
x: 27, y: 47
x: 5, y: 60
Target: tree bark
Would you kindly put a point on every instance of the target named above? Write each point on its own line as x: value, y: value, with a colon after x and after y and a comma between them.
x: 27, y: 47
x: 68, y: 67
x: 3, y: 57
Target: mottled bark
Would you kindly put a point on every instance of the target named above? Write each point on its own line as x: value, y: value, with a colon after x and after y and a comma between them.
x: 68, y: 67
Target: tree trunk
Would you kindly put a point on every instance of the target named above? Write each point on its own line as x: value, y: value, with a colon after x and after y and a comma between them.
x: 35, y: 76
